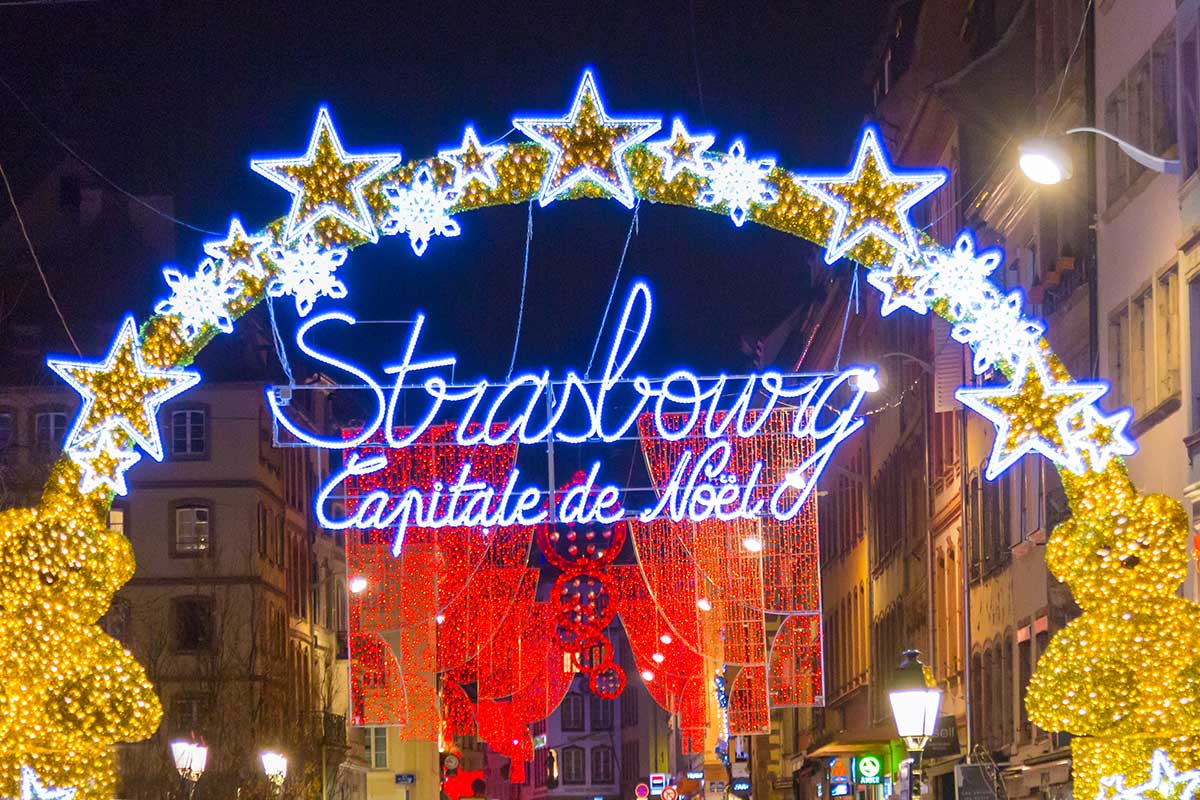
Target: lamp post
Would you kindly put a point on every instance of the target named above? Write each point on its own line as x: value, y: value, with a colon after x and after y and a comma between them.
x: 1044, y: 160
x: 915, y: 707
x: 190, y: 759
x: 275, y: 766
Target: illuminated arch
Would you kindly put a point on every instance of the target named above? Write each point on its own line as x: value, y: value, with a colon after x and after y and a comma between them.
x: 342, y: 200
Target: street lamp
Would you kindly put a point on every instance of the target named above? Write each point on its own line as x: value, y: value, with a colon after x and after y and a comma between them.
x: 915, y: 707
x: 190, y: 759
x: 1044, y: 160
x: 275, y: 766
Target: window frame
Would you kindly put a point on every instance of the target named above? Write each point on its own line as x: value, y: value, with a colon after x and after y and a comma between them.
x: 205, y: 432
x: 593, y: 757
x: 372, y: 754
x: 10, y: 413
x: 173, y: 509
x: 565, y: 774
x: 573, y: 700
x: 53, y: 447
x: 176, y: 604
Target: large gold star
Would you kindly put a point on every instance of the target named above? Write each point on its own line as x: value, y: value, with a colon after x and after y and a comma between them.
x: 327, y: 182
x: 873, y: 199
x: 1032, y: 413
x: 121, y: 392
x: 587, y: 145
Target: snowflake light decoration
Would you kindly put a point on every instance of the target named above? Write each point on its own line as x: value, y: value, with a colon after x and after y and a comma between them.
x: 961, y: 274
x: 199, y: 300
x: 421, y: 209
x: 996, y: 330
x: 305, y: 271
x: 738, y: 182
x: 904, y: 283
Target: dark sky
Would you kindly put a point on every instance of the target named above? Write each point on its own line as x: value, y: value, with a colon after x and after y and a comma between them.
x: 177, y: 96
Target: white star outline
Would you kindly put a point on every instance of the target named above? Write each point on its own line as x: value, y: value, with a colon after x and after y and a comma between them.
x: 358, y: 220
x: 996, y: 330
x: 1162, y: 771
x: 103, y: 443
x: 693, y: 162
x: 305, y: 271
x: 421, y: 209
x: 32, y: 789
x: 622, y: 190
x: 960, y: 275
x: 1001, y: 458
x: 1100, y: 454
x: 218, y: 250
x: 199, y: 300
x: 838, y: 243
x: 181, y: 380
x: 883, y: 279
x: 485, y: 173
x: 738, y: 182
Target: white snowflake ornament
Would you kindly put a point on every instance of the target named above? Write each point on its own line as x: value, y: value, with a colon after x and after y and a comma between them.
x: 305, y: 271
x: 421, y: 209
x: 199, y: 300
x: 961, y: 275
x: 996, y: 330
x: 738, y: 182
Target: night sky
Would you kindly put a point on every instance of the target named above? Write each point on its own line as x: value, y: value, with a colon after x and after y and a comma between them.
x: 176, y: 97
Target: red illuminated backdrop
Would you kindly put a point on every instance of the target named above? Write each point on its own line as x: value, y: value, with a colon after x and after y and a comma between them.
x: 450, y: 637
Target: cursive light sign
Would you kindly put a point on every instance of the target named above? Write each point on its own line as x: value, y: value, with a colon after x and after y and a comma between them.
x: 535, y: 408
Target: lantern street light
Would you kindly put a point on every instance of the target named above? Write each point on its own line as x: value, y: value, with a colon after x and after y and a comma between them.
x: 190, y: 759
x: 1044, y: 160
x: 915, y: 707
x: 275, y: 766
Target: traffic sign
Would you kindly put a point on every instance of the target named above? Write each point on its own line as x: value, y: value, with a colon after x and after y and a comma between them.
x: 658, y: 782
x: 670, y: 793
x: 642, y: 791
x: 403, y: 778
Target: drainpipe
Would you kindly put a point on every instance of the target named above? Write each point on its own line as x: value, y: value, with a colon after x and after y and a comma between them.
x: 1093, y: 265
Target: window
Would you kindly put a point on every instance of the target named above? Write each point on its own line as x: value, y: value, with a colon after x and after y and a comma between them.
x: 602, y: 714
x: 1118, y: 355
x: 629, y: 761
x: 1189, y: 123
x: 572, y: 713
x: 193, y: 623
x: 115, y: 621
x: 263, y: 527
x: 1139, y: 337
x: 192, y: 530
x: 188, y: 432
x: 540, y: 762
x: 1166, y: 333
x: 49, y: 428
x: 629, y: 710
x: 1024, y: 673
x: 116, y: 519
x: 377, y: 753
x: 573, y: 769
x: 188, y: 715
x: 8, y: 429
x: 602, y: 764
x: 1141, y: 110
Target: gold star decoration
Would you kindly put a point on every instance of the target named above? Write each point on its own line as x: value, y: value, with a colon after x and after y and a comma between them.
x: 873, y: 199
x: 103, y: 463
x: 327, y: 182
x: 121, y: 392
x: 238, y: 251
x: 474, y: 161
x: 1032, y: 413
x: 587, y: 145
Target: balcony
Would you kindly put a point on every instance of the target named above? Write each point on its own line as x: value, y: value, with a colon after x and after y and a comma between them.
x: 322, y: 728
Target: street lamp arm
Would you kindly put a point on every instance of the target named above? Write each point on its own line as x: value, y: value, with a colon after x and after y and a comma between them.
x: 1170, y: 166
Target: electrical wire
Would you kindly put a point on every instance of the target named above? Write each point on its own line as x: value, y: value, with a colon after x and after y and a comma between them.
x: 96, y: 171
x: 36, y: 262
x: 633, y: 228
x: 512, y: 362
